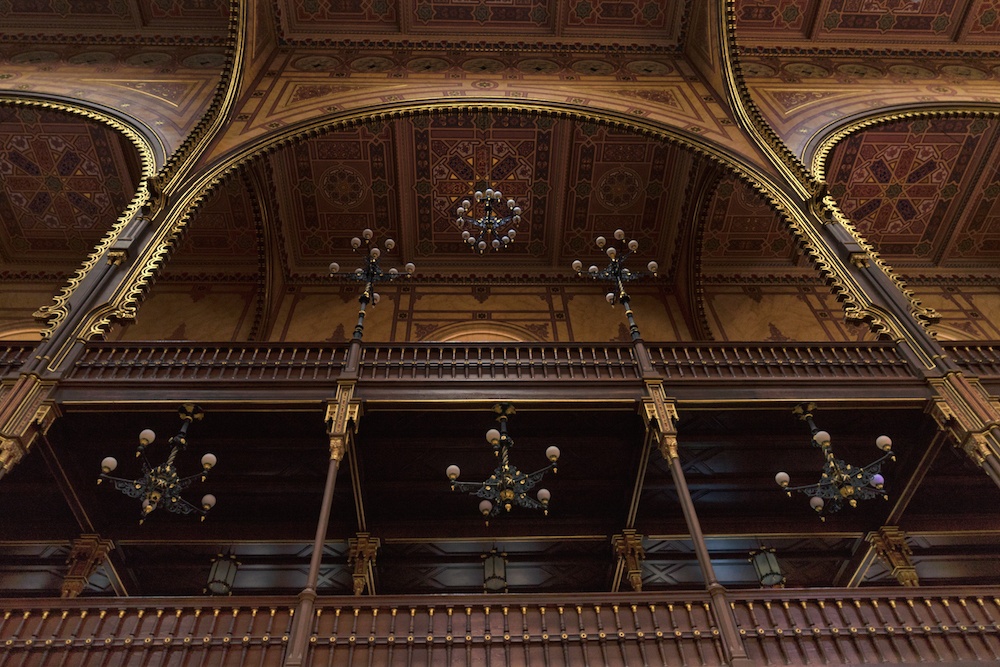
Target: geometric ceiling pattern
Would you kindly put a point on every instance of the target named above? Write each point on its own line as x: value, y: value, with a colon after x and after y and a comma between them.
x: 66, y: 181
x: 925, y: 192
x: 596, y: 20
x: 741, y: 232
x: 843, y: 22
x: 201, y: 19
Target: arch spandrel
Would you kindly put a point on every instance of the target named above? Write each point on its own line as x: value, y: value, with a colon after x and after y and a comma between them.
x: 169, y: 88
x: 672, y: 100
x: 803, y: 100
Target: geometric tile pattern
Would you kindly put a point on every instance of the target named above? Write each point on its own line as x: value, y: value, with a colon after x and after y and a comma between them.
x: 843, y: 21
x: 330, y: 188
x: 613, y: 21
x: 456, y: 155
x: 742, y: 228
x: 923, y: 191
x: 66, y: 180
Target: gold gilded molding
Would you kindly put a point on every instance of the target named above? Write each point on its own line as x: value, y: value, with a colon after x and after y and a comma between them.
x: 749, y: 115
x: 659, y: 413
x: 53, y: 314
x: 926, y: 316
x: 219, y: 109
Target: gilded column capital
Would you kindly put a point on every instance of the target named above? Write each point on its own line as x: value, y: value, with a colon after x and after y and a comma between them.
x: 660, y: 416
x: 891, y: 548
x: 628, y: 548
x: 87, y: 553
x: 362, y: 550
x: 342, y: 416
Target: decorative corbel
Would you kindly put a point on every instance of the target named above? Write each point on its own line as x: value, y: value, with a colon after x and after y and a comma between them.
x: 342, y: 417
x: 891, y: 548
x: 628, y: 548
x: 660, y: 416
x: 87, y: 553
x: 361, y: 556
x: 26, y: 412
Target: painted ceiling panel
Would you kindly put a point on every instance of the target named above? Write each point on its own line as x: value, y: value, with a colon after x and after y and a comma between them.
x: 923, y: 191
x: 648, y: 21
x: 66, y: 180
x: 812, y: 23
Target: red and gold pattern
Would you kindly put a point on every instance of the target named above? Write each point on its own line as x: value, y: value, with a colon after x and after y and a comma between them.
x: 743, y: 231
x: 66, y: 180
x: 923, y: 191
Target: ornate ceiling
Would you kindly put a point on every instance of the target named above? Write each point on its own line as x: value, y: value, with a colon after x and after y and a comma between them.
x: 66, y: 181
x: 842, y: 24
x: 924, y: 191
x: 593, y: 21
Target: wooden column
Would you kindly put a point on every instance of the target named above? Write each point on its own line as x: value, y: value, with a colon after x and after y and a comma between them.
x: 660, y: 415
x: 342, y: 417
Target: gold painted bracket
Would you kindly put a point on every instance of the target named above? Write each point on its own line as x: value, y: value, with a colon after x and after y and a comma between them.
x: 890, y: 546
x: 87, y: 553
x: 660, y: 416
x: 26, y: 412
x: 362, y: 550
x: 342, y: 417
x: 628, y: 548
x: 964, y: 409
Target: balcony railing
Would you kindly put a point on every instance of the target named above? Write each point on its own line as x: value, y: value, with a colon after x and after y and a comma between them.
x: 13, y: 356
x: 778, y: 627
x: 170, y: 362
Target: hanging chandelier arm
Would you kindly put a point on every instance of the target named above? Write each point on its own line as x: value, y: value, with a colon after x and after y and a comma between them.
x: 127, y: 486
x: 181, y: 507
x: 468, y: 487
x: 534, y: 478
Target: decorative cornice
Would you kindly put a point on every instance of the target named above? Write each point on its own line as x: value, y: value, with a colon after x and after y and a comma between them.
x: 118, y: 40
x: 54, y: 313
x: 834, y: 51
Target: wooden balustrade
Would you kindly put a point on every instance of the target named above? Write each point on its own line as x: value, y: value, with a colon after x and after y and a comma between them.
x: 13, y: 356
x: 779, y: 627
x: 982, y: 359
x: 171, y: 362
x: 797, y: 361
x: 450, y: 361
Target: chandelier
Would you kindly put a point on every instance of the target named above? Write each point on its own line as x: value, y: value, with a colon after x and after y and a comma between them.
x: 486, y: 232
x: 161, y: 485
x: 507, y: 486
x: 616, y: 273
x: 839, y: 482
x: 370, y: 273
